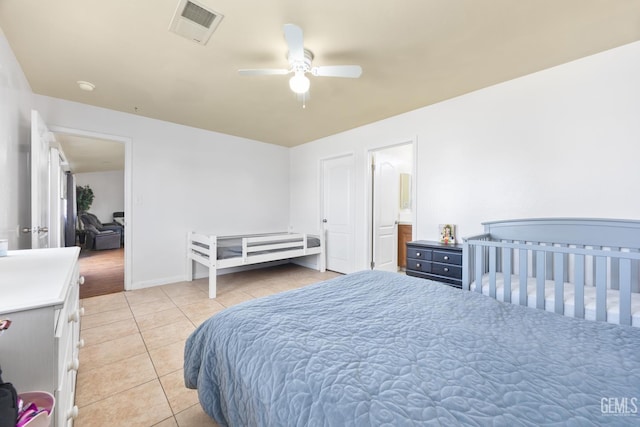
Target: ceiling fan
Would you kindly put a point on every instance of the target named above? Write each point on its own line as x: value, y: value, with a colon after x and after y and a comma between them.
x: 300, y: 63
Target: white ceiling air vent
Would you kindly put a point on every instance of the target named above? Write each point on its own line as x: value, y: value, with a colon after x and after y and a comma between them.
x: 194, y: 21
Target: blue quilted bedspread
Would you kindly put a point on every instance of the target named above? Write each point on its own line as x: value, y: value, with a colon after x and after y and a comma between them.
x: 373, y: 349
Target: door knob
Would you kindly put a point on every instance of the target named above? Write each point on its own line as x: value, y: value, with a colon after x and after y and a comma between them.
x: 324, y: 220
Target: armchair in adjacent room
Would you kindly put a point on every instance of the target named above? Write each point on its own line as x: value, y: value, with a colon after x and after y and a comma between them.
x: 99, y: 240
x: 88, y: 218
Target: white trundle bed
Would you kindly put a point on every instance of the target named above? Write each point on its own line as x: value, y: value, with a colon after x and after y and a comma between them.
x: 585, y: 268
x: 219, y: 252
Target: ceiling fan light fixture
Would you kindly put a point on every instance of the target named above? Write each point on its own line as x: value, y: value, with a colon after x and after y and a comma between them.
x: 299, y: 83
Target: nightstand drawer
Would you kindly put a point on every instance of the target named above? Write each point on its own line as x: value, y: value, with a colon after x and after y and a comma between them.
x: 418, y: 265
x: 418, y: 253
x: 446, y: 270
x: 447, y: 257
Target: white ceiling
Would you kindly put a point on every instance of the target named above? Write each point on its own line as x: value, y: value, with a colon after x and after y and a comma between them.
x: 85, y: 154
x: 413, y: 53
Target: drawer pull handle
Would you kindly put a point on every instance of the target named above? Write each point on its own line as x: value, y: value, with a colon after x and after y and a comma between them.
x: 81, y: 280
x: 72, y: 413
x: 80, y: 343
x: 73, y: 365
x: 446, y: 258
x: 418, y: 265
x: 418, y: 253
x: 75, y: 316
x: 446, y: 269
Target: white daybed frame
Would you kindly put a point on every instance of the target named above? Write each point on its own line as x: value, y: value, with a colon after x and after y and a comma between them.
x: 583, y: 265
x: 202, y: 248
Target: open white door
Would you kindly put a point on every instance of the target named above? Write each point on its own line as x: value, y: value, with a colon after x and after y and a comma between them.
x: 385, y: 208
x: 40, y: 186
x: 337, y: 213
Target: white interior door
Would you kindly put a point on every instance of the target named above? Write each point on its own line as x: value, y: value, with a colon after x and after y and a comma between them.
x: 385, y: 206
x: 337, y: 209
x: 40, y: 186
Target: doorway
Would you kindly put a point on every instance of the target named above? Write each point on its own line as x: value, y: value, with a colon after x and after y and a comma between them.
x: 101, y: 152
x: 391, y: 207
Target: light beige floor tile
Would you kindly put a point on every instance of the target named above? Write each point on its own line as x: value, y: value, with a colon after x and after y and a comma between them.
x: 180, y: 397
x: 262, y: 291
x: 109, y: 379
x: 102, y: 303
x: 194, y: 417
x: 160, y: 318
x: 189, y: 297
x: 109, y: 332
x: 141, y: 296
x: 94, y: 356
x: 104, y: 317
x: 152, y: 306
x: 233, y: 298
x: 172, y: 332
x: 169, y: 358
x: 202, y: 310
x: 169, y: 422
x: 144, y: 405
x: 180, y: 288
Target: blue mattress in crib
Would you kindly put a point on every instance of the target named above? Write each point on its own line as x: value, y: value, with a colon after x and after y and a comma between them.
x: 374, y: 348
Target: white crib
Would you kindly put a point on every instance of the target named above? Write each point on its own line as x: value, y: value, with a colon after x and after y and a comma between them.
x: 586, y: 268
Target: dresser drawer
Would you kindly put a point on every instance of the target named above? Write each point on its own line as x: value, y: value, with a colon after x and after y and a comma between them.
x: 418, y: 265
x: 447, y: 257
x: 418, y: 253
x: 453, y: 271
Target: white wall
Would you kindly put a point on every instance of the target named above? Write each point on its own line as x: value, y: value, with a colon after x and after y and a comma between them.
x: 15, y: 140
x: 184, y: 179
x: 108, y: 192
x: 561, y: 142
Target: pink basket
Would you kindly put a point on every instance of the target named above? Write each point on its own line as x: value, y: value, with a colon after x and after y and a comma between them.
x: 44, y: 401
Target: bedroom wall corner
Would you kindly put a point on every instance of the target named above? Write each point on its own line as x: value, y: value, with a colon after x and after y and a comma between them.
x: 560, y: 142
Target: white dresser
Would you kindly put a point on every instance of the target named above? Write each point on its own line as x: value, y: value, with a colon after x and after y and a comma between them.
x: 39, y: 293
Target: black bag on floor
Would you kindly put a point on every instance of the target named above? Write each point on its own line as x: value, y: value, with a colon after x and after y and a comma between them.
x: 8, y: 404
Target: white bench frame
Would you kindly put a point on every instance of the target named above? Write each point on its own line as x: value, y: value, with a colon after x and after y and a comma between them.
x: 202, y: 248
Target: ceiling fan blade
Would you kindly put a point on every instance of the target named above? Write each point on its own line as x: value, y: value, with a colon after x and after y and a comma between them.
x: 263, y: 71
x: 295, y: 42
x: 351, y: 71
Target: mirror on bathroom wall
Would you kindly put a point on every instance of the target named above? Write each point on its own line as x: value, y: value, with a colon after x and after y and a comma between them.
x: 405, y: 191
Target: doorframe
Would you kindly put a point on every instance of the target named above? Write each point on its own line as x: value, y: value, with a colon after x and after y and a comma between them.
x: 321, y: 163
x: 128, y: 203
x: 369, y: 193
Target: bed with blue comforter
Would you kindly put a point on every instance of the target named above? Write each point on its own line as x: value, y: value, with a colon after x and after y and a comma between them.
x: 375, y: 348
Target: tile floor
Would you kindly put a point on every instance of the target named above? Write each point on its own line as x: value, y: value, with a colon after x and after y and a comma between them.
x: 131, y: 365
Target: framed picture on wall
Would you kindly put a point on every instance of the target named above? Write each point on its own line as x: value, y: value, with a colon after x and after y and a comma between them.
x: 447, y: 233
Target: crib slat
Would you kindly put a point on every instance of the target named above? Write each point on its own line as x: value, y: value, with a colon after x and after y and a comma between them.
x: 601, y: 288
x: 523, y: 276
x: 540, y: 276
x: 578, y: 273
x: 492, y: 271
x: 506, y: 273
x: 625, y: 291
x: 615, y: 271
x: 558, y: 263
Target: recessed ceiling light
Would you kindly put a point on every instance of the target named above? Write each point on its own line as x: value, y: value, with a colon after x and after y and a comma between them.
x: 86, y: 85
